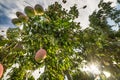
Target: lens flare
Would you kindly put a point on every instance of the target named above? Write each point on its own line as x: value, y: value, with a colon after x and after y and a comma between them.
x: 107, y: 74
x: 92, y: 69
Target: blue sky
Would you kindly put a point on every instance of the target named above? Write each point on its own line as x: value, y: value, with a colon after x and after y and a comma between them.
x: 8, y: 9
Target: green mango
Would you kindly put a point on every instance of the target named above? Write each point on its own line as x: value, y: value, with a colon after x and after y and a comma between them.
x: 16, y: 22
x: 29, y: 11
x: 39, y: 9
x: 19, y: 13
x: 23, y: 18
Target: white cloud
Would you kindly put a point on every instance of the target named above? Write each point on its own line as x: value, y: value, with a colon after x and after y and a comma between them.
x: 84, y: 13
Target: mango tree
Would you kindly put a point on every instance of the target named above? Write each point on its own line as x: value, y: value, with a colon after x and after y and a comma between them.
x: 51, y: 38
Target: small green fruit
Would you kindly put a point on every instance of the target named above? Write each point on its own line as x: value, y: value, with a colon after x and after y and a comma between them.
x: 39, y: 9
x: 19, y: 13
x: 16, y: 21
x: 23, y: 18
x: 29, y: 11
